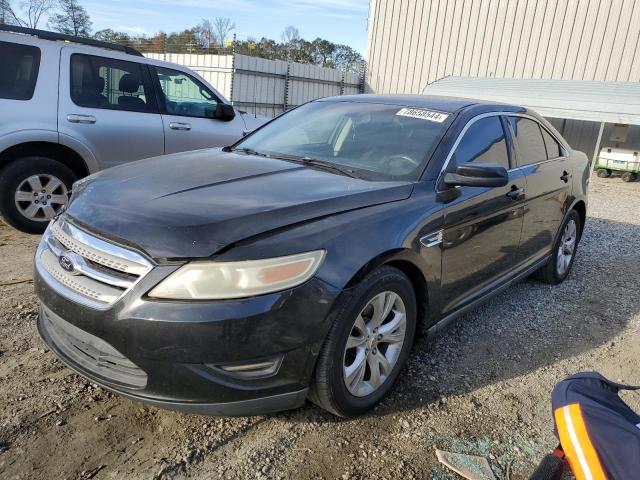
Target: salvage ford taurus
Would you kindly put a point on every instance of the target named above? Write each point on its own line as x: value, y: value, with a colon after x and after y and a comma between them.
x: 303, y: 261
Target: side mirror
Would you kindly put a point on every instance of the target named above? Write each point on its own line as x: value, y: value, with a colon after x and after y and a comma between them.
x: 223, y: 112
x: 478, y: 175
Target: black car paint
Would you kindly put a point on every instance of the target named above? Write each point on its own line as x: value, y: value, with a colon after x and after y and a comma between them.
x: 230, y: 206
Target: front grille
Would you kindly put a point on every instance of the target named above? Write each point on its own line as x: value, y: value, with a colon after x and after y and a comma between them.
x: 86, y: 268
x: 91, y: 353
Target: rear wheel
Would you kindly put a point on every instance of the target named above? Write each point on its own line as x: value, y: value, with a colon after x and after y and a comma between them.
x: 32, y: 191
x: 367, y: 345
x: 629, y: 177
x: 604, y: 173
x: 564, y: 252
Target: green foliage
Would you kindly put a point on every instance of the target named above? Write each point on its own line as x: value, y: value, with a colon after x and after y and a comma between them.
x: 206, y: 38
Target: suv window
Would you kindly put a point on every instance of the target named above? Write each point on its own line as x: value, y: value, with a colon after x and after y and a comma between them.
x: 484, y: 142
x: 184, y: 95
x: 100, y: 82
x: 554, y: 150
x: 19, y: 72
x: 529, y: 139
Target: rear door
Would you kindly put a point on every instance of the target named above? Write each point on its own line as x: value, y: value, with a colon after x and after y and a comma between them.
x: 482, y: 225
x: 542, y: 160
x: 187, y: 105
x: 107, y: 104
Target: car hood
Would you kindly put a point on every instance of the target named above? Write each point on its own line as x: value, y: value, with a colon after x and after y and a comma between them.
x: 194, y: 204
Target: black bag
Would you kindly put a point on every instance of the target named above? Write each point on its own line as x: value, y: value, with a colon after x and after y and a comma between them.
x: 598, y: 432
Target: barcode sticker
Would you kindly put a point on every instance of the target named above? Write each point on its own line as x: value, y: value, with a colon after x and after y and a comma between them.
x: 428, y: 115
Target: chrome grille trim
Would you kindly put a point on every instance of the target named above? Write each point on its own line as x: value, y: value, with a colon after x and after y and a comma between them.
x: 98, y: 250
x: 101, y: 273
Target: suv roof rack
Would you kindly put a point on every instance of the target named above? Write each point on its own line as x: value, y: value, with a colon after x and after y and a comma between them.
x: 45, y: 35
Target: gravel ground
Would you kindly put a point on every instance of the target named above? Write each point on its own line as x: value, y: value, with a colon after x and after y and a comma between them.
x: 482, y: 386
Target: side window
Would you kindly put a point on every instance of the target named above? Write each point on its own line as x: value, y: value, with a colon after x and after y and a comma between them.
x: 19, y: 72
x: 184, y: 95
x: 529, y: 138
x: 484, y: 142
x: 99, y: 82
x: 554, y: 150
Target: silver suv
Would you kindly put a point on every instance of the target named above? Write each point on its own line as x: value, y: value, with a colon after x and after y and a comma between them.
x: 70, y: 107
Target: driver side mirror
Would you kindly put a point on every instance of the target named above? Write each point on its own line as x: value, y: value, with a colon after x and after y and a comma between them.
x: 222, y: 112
x: 478, y: 175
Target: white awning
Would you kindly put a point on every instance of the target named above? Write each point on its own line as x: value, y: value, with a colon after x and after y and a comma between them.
x: 609, y: 102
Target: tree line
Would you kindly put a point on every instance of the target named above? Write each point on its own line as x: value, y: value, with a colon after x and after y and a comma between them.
x: 209, y: 36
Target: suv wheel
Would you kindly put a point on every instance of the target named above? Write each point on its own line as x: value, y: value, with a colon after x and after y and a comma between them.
x: 367, y: 345
x: 32, y: 191
x: 564, y: 252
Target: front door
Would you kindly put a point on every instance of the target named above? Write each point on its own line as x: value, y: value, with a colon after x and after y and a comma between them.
x: 482, y: 225
x: 107, y: 104
x: 542, y: 160
x: 187, y: 107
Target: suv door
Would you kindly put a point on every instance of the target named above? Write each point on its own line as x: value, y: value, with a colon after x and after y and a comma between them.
x: 541, y: 158
x: 108, y: 105
x: 187, y: 106
x: 482, y: 225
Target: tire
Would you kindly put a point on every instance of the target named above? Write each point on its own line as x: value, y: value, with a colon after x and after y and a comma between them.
x: 14, y: 181
x: 629, y: 177
x: 551, y: 273
x: 604, y: 173
x: 329, y: 388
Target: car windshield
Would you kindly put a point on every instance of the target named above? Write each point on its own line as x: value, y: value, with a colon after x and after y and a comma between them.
x: 367, y: 140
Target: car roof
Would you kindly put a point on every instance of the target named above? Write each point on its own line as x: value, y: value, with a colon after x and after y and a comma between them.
x: 443, y: 104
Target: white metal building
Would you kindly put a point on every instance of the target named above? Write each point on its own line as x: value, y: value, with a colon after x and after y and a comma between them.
x: 414, y: 43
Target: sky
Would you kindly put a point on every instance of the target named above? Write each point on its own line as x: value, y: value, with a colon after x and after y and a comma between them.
x: 339, y: 21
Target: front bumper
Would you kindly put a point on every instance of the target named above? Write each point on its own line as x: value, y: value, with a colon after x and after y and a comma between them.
x: 167, y: 353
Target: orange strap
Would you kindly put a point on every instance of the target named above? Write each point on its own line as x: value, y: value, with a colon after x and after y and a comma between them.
x: 577, y: 446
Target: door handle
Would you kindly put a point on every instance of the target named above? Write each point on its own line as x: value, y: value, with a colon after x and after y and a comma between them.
x: 73, y: 118
x: 565, y: 177
x: 179, y: 126
x: 515, y: 193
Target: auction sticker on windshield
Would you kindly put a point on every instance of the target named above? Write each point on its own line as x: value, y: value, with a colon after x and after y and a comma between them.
x: 423, y: 114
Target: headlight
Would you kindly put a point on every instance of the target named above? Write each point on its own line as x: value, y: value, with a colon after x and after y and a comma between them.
x: 200, y: 280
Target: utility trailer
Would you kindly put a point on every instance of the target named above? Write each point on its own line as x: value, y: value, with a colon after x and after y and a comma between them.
x: 618, y: 160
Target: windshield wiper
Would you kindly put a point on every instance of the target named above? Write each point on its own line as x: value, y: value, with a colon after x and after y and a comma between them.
x: 317, y: 163
x: 249, y: 151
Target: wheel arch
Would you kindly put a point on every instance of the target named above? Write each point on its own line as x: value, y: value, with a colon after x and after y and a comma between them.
x: 581, y: 207
x: 61, y: 153
x: 404, y: 260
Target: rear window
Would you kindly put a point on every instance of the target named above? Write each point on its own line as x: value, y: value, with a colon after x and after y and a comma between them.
x: 554, y: 150
x: 530, y: 142
x: 19, y: 71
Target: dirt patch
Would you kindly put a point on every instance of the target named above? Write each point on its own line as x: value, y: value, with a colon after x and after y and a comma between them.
x: 482, y: 387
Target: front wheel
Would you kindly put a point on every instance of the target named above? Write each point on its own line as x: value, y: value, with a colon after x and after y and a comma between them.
x: 367, y: 345
x: 563, y: 253
x: 33, y: 190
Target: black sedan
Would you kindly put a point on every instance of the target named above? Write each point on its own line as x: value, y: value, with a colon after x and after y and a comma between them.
x: 303, y: 261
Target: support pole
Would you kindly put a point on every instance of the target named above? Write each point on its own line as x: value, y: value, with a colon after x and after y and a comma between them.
x: 596, y: 152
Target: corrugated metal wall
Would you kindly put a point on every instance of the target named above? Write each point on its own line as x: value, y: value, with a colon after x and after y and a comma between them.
x: 413, y: 42
x: 266, y: 87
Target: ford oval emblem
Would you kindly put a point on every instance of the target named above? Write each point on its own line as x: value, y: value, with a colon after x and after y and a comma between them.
x: 66, y: 263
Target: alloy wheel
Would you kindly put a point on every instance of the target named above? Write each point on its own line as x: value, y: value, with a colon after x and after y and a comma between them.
x: 41, y: 197
x: 567, y: 247
x: 374, y: 344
